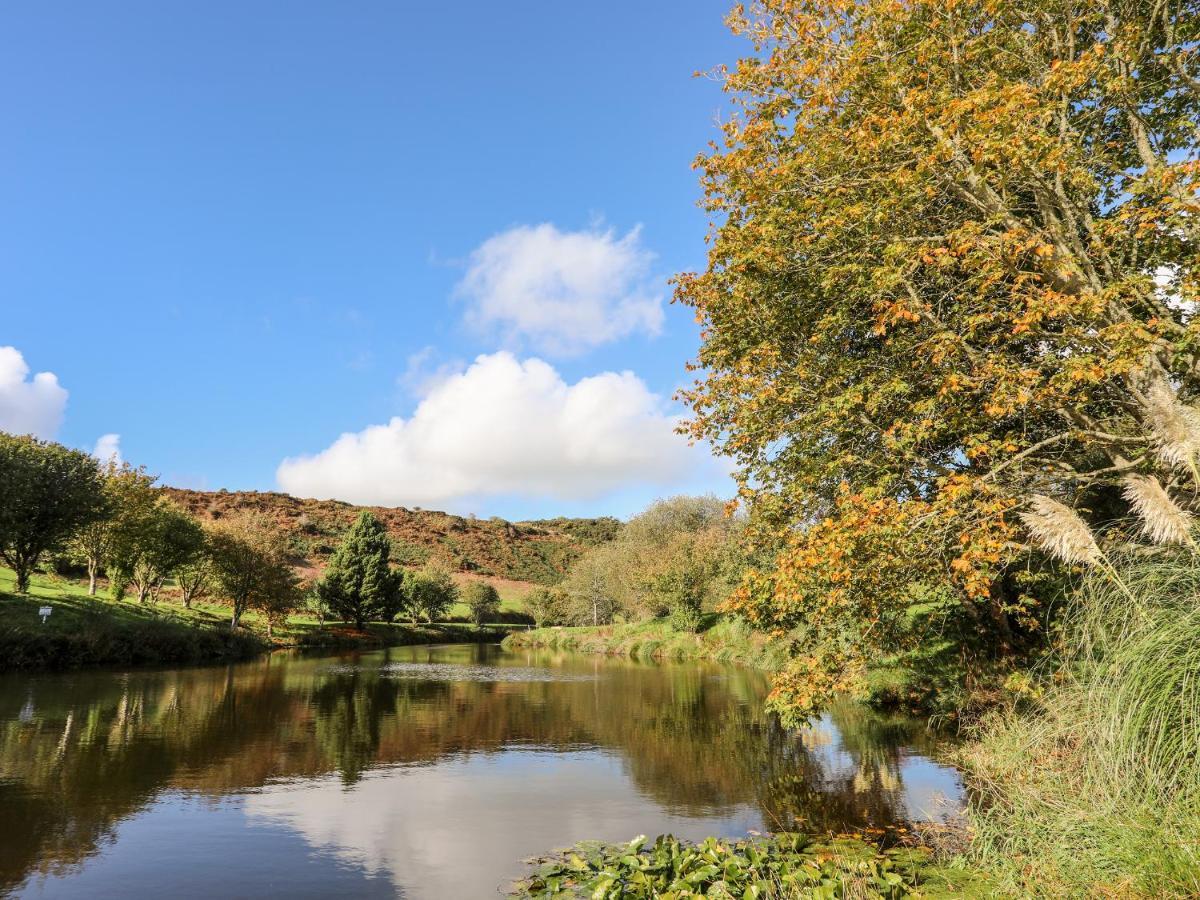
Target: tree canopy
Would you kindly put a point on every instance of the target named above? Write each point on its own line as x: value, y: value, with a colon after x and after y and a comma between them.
x: 952, y: 263
x: 47, y: 493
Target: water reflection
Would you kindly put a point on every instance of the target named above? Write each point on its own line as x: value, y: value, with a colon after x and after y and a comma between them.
x: 426, y: 770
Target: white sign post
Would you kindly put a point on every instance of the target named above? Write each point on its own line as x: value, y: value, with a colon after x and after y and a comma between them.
x: 44, y: 612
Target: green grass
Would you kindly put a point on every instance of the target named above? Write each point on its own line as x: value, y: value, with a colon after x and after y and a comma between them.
x: 91, y: 631
x: 726, y: 639
x: 97, y: 631
x: 1094, y: 788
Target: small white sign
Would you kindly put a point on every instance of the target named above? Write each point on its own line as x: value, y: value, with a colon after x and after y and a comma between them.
x: 44, y: 612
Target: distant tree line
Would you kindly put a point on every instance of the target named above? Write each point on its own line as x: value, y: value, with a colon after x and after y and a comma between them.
x: 677, y: 559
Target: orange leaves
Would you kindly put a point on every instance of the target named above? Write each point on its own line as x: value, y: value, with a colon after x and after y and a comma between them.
x: 928, y: 255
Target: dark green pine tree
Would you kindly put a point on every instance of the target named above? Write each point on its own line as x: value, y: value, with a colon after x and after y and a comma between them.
x: 359, y: 584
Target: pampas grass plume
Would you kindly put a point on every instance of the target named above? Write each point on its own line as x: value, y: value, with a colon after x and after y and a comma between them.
x: 1059, y: 531
x: 1162, y: 520
x: 1175, y: 426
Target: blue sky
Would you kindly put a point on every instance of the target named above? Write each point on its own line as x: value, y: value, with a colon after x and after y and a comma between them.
x: 236, y: 231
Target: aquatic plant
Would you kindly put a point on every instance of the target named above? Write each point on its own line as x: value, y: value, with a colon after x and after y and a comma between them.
x: 779, y: 866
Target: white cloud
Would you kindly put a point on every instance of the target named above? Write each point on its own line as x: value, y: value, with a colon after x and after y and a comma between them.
x: 108, y: 448
x: 33, y: 406
x: 563, y: 292
x: 505, y: 427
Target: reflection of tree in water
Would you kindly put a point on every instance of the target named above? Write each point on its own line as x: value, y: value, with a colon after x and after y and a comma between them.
x: 80, y: 753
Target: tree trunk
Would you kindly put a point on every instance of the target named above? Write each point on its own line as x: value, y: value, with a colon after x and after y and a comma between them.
x: 237, y: 616
x: 92, y: 566
x: 22, y: 579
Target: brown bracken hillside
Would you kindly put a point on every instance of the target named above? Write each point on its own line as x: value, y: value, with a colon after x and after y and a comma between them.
x: 538, y: 551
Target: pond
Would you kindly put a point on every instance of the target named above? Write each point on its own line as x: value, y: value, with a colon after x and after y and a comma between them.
x: 422, y: 772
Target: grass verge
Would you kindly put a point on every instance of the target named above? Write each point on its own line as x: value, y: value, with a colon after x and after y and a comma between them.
x: 725, y: 639
x: 84, y: 631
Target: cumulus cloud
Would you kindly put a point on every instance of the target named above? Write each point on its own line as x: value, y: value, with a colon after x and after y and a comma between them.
x: 108, y: 448
x: 505, y: 427
x: 562, y: 291
x: 29, y: 406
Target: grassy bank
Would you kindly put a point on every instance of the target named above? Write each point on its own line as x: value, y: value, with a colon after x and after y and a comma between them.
x: 724, y: 640
x: 84, y: 631
x: 91, y: 631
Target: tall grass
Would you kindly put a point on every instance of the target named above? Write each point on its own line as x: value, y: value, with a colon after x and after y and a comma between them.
x: 1096, y: 790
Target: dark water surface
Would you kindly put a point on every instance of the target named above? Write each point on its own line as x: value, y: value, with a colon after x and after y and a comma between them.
x: 425, y: 772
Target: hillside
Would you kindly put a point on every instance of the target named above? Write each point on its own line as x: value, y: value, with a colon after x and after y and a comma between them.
x: 537, y: 551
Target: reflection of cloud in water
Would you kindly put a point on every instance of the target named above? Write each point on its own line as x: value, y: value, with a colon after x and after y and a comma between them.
x: 460, y: 828
x: 452, y: 672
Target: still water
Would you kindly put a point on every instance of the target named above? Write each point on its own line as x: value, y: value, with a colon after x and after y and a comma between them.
x: 422, y: 772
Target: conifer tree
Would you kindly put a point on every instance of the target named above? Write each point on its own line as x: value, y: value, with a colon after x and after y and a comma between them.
x: 360, y: 585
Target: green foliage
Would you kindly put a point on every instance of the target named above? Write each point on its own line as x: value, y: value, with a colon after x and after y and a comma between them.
x: 154, y: 546
x: 405, y: 553
x: 47, y: 494
x: 483, y: 601
x: 195, y: 577
x: 589, y: 532
x: 679, y: 554
x: 127, y: 494
x: 360, y: 584
x: 1092, y: 782
x: 786, y: 865
x: 314, y: 605
x: 431, y: 591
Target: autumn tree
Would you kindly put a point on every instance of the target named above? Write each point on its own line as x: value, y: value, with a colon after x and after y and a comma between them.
x: 250, y: 565
x: 48, y: 492
x: 359, y: 584
x: 483, y: 601
x: 952, y: 264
